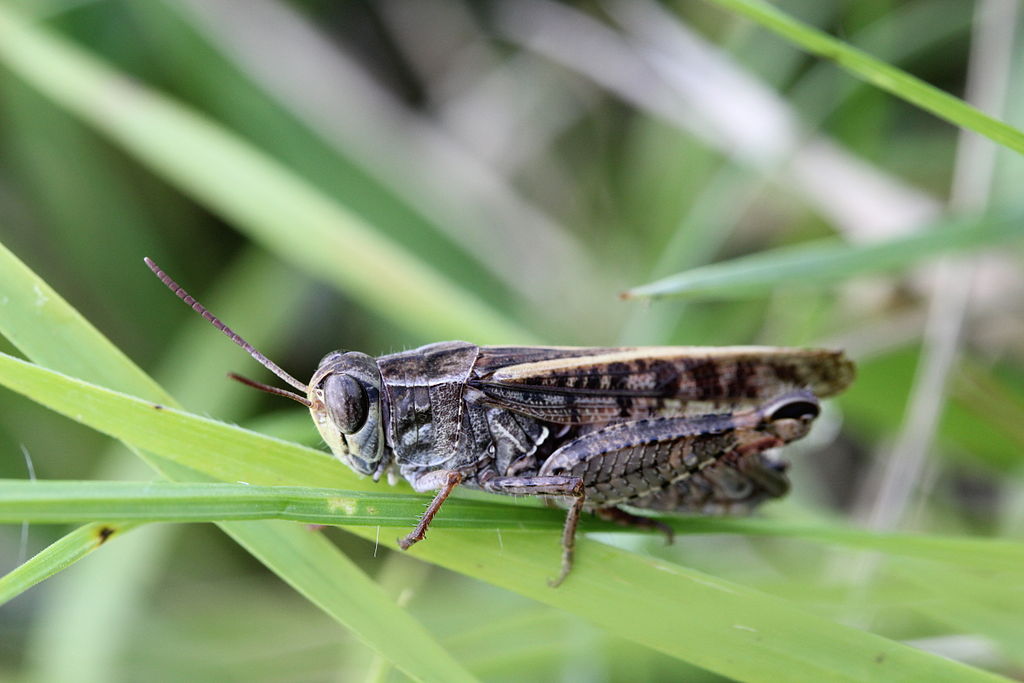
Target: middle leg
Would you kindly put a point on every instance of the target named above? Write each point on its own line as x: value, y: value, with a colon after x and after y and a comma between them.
x: 569, y: 487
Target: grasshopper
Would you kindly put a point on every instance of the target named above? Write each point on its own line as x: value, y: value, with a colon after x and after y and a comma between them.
x: 669, y: 429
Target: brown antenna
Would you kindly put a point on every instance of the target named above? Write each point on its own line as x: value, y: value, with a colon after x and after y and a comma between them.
x: 269, y: 389
x: 266, y: 362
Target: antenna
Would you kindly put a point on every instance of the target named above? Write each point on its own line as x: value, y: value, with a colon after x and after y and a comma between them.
x: 270, y: 390
x: 233, y: 336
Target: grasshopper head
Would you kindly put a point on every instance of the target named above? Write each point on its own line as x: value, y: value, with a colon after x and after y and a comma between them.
x: 344, y: 400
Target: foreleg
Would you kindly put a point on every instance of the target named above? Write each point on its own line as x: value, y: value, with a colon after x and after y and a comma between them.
x: 447, y: 480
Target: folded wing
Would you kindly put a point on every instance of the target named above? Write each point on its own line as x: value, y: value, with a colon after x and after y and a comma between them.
x: 584, y: 385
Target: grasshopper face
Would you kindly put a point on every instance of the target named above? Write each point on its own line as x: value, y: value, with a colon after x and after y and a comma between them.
x: 344, y: 401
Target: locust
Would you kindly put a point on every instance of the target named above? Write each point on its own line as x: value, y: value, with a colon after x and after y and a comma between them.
x: 614, y: 431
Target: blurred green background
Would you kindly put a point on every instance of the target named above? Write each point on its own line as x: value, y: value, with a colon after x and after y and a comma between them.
x: 376, y: 176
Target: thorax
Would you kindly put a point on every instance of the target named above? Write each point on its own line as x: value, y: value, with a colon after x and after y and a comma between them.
x: 422, y: 398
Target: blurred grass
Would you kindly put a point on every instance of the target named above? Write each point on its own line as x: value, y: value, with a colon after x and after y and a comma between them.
x: 878, y: 73
x: 278, y: 208
x: 822, y: 264
x: 642, y: 199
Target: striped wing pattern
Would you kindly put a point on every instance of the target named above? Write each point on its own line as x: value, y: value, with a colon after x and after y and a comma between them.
x: 566, y: 385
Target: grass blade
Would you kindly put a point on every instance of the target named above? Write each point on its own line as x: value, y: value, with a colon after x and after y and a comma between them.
x: 59, y: 556
x: 39, y: 321
x: 297, y: 556
x: 47, y: 502
x: 878, y: 73
x: 695, y: 616
x: 963, y: 601
x: 976, y: 553
x: 216, y: 450
x: 831, y: 261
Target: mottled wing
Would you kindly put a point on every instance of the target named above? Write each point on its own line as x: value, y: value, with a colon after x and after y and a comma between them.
x: 567, y: 385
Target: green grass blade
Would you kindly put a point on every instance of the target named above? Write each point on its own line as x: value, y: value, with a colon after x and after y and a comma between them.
x: 877, y: 72
x: 831, y: 261
x: 58, y: 556
x: 298, y: 558
x: 47, y: 502
x: 991, y: 606
x: 976, y: 553
x: 214, y: 449
x: 33, y: 316
x: 630, y: 595
x: 79, y: 346
x: 273, y: 205
x: 716, y: 624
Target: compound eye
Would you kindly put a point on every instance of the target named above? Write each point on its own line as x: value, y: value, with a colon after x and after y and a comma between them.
x: 796, y: 409
x: 346, y: 401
